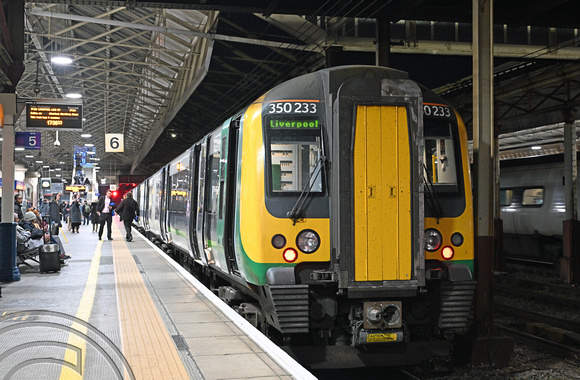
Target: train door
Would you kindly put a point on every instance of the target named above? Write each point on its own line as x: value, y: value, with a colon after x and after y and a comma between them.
x: 228, y: 201
x: 166, y: 220
x: 200, y: 206
x: 212, y: 198
x: 163, y: 206
x: 382, y: 194
x: 194, y: 164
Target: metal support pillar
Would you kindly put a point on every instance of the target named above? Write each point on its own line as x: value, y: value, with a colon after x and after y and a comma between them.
x: 569, y: 266
x: 8, y: 269
x: 488, y: 347
x: 383, y: 55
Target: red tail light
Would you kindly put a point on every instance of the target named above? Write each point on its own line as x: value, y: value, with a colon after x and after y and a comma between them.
x: 290, y: 255
x: 447, y: 253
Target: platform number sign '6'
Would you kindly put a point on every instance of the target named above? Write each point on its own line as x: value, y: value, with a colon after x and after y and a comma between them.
x: 114, y: 142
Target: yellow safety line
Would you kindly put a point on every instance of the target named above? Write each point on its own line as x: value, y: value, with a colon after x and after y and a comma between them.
x: 149, y: 349
x: 84, y: 313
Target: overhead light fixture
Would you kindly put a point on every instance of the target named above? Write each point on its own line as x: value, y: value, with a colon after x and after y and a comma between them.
x: 19, y: 148
x: 536, y: 147
x: 29, y: 156
x: 74, y: 95
x: 62, y: 162
x: 86, y: 135
x: 89, y: 144
x: 91, y: 152
x: 57, y: 169
x: 57, y: 175
x: 61, y: 60
x: 39, y: 161
x: 46, y: 166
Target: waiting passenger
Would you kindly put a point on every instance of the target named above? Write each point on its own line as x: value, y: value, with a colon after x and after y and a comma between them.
x: 75, y: 217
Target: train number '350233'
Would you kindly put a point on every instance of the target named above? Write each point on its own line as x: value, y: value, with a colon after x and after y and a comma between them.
x: 436, y: 110
x: 292, y: 107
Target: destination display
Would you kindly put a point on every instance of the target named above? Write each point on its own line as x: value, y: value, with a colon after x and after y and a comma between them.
x: 54, y: 116
x: 286, y: 123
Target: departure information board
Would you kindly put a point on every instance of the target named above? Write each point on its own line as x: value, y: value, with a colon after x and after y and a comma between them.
x: 54, y: 116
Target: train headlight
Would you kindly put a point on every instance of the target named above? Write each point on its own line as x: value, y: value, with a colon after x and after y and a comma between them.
x: 278, y: 241
x: 433, y: 239
x: 447, y: 253
x: 308, y: 241
x: 290, y: 255
x: 457, y: 239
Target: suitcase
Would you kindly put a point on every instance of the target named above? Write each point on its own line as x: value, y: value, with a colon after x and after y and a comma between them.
x: 49, y: 255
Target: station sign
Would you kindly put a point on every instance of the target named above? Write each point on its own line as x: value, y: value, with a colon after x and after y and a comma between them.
x: 51, y: 114
x: 74, y: 189
x: 28, y: 140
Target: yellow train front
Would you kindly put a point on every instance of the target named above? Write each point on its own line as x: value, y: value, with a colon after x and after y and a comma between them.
x: 354, y: 214
x: 334, y: 213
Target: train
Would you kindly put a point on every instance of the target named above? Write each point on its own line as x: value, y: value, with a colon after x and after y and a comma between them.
x: 533, y: 209
x: 334, y: 213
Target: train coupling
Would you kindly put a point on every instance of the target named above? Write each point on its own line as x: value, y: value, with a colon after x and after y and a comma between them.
x: 382, y: 323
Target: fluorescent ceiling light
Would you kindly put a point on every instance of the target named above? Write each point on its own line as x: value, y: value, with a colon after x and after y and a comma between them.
x: 61, y: 60
x: 46, y: 166
x: 89, y: 144
x: 62, y: 162
x: 536, y: 147
x: 74, y: 95
x: 86, y: 135
x: 19, y: 148
x: 57, y: 169
x: 57, y: 175
x: 29, y: 156
x: 39, y: 161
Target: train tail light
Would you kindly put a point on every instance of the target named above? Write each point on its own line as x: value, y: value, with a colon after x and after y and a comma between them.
x: 447, y: 253
x: 290, y: 255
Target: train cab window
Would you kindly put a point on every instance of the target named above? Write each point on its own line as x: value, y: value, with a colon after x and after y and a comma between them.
x: 505, y: 197
x: 533, y: 197
x: 295, y: 156
x: 440, y: 163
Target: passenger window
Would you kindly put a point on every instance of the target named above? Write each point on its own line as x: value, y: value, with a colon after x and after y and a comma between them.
x: 505, y: 197
x: 533, y: 197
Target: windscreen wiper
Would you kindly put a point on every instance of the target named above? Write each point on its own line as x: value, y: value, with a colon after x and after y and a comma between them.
x: 432, y: 197
x: 296, y: 213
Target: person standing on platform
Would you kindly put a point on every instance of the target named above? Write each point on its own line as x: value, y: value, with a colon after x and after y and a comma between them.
x: 55, y: 213
x: 94, y: 217
x: 104, y: 209
x: 75, y: 216
x: 18, y: 206
x: 128, y: 210
x: 44, y: 208
x: 86, y: 208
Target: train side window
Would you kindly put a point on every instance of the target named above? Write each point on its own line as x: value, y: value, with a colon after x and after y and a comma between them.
x: 533, y: 197
x: 505, y: 197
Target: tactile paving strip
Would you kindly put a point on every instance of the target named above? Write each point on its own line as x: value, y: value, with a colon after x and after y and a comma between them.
x: 147, y: 345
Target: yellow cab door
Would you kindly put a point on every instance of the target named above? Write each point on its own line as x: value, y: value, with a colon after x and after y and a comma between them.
x: 382, y: 194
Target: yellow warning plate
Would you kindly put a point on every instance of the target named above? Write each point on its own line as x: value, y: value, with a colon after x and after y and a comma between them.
x: 377, y: 338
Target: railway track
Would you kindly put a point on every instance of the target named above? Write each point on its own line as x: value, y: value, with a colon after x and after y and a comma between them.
x: 549, y: 293
x: 521, y: 303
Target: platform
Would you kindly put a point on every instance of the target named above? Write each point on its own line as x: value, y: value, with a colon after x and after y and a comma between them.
x: 125, y: 310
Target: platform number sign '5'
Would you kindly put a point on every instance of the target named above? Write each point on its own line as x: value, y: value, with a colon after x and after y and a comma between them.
x: 114, y: 142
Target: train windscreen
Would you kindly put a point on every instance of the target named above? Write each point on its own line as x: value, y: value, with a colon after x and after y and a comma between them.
x: 440, y: 158
x: 295, y: 153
